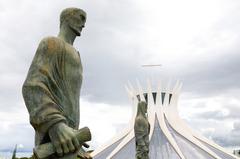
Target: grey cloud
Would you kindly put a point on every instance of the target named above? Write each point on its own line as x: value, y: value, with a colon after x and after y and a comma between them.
x: 216, y: 120
x: 215, y: 130
x: 231, y: 114
x: 217, y: 115
x: 111, y: 51
x: 17, y: 134
x: 203, y: 77
x: 215, y: 77
x: 231, y: 139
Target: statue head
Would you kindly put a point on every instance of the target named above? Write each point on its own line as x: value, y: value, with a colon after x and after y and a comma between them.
x: 74, y: 19
x: 142, y: 108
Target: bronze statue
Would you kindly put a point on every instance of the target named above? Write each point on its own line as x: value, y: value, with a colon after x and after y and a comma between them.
x: 52, y: 88
x: 142, y: 130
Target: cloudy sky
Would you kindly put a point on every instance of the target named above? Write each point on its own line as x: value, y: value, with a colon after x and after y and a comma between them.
x: 196, y: 41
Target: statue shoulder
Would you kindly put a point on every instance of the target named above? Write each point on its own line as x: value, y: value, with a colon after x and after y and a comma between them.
x: 50, y: 45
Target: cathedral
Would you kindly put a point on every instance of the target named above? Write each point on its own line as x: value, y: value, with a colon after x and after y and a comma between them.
x: 170, y: 137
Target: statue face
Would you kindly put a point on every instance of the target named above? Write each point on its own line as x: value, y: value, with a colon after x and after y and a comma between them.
x: 77, y: 23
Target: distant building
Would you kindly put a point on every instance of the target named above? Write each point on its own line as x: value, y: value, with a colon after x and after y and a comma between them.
x: 170, y: 136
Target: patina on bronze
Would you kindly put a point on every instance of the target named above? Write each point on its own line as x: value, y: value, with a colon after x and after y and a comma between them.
x: 142, y: 130
x: 51, y: 90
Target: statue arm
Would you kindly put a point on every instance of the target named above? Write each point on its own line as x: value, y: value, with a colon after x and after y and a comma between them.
x: 43, y: 109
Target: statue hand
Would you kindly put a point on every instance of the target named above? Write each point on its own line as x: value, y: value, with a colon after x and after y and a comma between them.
x: 64, y: 139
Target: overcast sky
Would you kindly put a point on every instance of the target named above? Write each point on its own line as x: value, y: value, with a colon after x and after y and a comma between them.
x: 196, y: 41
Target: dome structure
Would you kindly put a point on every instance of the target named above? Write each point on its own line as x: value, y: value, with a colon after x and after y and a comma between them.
x: 170, y: 137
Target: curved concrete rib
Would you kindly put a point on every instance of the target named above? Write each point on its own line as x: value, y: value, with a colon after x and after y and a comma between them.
x: 134, y: 101
x: 209, y: 142
x: 132, y: 96
x: 197, y: 136
x: 151, y: 110
x: 194, y: 133
x: 140, y: 91
x: 163, y: 126
x: 124, y: 142
x: 110, y: 142
x: 130, y: 135
x: 172, y: 118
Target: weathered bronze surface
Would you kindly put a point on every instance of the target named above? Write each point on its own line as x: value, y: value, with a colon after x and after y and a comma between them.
x: 142, y: 130
x: 51, y: 90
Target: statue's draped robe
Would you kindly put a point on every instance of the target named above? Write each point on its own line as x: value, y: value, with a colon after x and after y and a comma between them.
x: 52, y: 88
x: 141, y: 130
